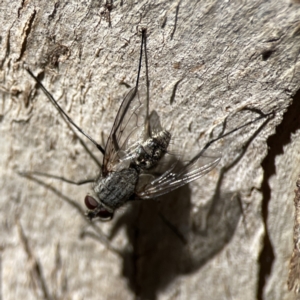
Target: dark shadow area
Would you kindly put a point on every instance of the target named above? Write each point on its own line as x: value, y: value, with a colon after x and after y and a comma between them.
x: 166, y: 241
x: 155, y: 231
x: 290, y: 124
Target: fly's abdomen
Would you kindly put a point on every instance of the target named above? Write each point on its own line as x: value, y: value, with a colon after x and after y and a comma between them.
x: 149, y: 153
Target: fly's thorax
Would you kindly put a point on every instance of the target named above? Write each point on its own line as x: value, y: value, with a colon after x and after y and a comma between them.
x: 149, y: 153
x: 116, y: 188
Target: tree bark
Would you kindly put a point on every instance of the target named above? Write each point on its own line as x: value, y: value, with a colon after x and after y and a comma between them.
x: 213, y: 66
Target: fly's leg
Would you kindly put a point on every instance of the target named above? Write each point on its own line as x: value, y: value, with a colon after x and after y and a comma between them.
x: 98, y: 232
x: 222, y: 135
x: 79, y: 182
x: 83, y: 144
x: 68, y: 121
x: 133, y: 93
x: 147, y: 119
x: 62, y: 112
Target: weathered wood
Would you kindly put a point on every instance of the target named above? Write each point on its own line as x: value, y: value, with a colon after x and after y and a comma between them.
x: 227, y: 236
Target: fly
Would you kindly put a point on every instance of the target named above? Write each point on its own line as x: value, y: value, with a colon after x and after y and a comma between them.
x: 136, y: 161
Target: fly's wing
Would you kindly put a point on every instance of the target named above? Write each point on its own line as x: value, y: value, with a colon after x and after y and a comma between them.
x: 175, y: 174
x: 154, y: 122
x: 128, y: 128
x: 179, y: 174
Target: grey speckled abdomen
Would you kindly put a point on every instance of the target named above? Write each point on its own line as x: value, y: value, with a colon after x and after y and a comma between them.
x: 149, y: 153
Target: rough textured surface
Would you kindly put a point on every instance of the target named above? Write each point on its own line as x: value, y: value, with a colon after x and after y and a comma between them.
x: 225, y: 236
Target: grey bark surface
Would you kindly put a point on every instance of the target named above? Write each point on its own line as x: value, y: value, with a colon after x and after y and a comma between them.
x: 227, y: 235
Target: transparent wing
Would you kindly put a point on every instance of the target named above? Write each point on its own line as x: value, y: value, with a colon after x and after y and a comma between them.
x: 178, y: 175
x: 126, y: 127
x: 131, y: 127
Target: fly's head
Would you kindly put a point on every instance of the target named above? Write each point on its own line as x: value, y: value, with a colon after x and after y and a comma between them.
x: 96, y: 209
x: 111, y: 192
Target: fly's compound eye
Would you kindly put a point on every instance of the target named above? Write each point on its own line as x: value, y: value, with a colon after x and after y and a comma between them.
x: 96, y: 210
x: 90, y: 202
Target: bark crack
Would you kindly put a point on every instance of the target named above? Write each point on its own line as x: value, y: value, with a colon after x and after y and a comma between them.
x: 276, y: 142
x: 26, y: 33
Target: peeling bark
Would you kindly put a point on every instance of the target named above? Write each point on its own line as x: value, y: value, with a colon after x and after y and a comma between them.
x: 229, y: 234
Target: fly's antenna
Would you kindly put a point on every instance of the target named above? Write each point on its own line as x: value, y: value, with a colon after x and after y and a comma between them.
x: 62, y: 112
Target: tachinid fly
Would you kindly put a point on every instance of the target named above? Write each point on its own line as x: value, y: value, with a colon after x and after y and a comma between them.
x: 136, y: 161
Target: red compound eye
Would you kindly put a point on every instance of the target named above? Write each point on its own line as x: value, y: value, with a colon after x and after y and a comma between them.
x: 90, y: 202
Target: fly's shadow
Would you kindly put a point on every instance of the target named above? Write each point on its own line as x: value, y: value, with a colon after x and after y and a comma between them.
x: 139, y: 165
